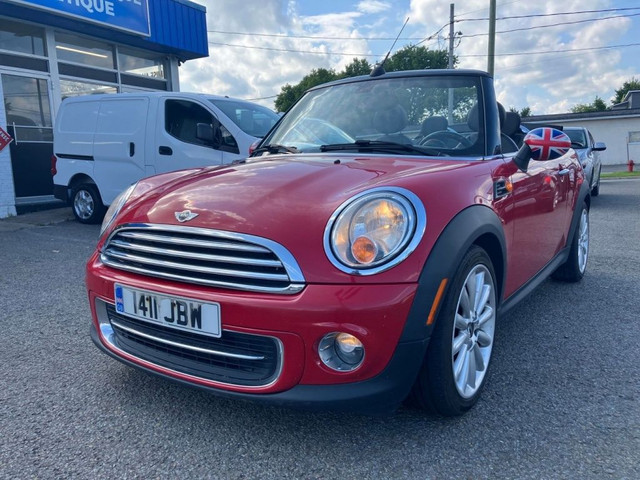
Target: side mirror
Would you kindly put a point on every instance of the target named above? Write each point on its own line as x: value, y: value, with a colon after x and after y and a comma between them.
x: 542, y: 144
x: 599, y: 146
x: 210, y: 133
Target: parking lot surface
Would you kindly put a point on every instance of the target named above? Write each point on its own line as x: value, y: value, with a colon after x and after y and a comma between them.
x: 562, y: 398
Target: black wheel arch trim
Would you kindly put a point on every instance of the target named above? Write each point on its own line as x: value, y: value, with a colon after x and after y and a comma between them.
x: 477, y: 224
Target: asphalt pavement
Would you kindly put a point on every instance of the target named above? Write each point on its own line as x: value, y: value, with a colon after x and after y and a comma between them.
x: 562, y: 398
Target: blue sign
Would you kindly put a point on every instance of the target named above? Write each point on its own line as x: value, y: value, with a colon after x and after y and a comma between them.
x: 129, y: 15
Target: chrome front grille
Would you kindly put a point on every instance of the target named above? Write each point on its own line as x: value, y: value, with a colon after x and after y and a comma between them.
x: 203, y: 256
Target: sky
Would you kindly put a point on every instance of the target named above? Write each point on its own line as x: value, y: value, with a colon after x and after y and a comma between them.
x: 257, y: 47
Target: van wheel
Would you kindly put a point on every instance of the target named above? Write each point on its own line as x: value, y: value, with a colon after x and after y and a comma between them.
x: 86, y: 203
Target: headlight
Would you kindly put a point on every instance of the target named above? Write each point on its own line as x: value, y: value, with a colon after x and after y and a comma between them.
x: 374, y: 230
x: 115, y: 207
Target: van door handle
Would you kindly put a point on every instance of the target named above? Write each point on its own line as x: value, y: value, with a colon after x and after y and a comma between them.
x: 165, y: 150
x: 132, y: 149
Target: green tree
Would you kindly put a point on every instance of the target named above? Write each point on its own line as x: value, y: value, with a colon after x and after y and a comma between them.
x: 356, y: 67
x: 525, y: 112
x: 407, y: 58
x: 290, y: 94
x: 633, y: 84
x: 598, y: 105
x: 411, y: 57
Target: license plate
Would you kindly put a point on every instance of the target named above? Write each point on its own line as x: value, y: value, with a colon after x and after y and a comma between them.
x: 180, y: 313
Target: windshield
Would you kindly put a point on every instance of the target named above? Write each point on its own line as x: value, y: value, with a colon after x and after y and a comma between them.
x: 578, y: 138
x: 430, y: 115
x: 252, y: 119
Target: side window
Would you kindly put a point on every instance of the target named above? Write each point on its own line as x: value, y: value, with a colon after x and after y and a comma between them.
x: 591, y: 140
x: 229, y: 143
x: 181, y: 118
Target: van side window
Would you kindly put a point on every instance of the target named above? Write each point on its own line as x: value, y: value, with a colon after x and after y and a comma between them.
x: 181, y: 118
x: 229, y: 143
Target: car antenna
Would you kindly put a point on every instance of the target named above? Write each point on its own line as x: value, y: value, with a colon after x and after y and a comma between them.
x: 379, y: 68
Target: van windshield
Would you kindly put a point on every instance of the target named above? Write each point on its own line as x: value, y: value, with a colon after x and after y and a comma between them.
x: 423, y: 115
x: 252, y: 119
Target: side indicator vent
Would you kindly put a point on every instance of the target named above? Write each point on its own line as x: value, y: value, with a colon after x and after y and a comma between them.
x: 502, y: 188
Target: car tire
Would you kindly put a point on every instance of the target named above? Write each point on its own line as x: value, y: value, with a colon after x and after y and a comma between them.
x: 595, y: 190
x: 86, y: 204
x: 454, y: 370
x: 572, y: 270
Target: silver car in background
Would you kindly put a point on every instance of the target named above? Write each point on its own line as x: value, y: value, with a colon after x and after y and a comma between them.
x: 588, y: 151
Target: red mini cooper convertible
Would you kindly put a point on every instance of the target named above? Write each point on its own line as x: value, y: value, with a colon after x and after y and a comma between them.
x: 362, y: 255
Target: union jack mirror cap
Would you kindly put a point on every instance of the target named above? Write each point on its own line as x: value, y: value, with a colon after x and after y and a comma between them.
x: 547, y: 143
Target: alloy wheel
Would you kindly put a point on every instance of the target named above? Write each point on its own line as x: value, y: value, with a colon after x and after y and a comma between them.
x: 473, y: 331
x: 583, y: 241
x: 83, y: 204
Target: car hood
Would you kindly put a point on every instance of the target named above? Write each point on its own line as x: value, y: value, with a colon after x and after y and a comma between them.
x: 279, y: 198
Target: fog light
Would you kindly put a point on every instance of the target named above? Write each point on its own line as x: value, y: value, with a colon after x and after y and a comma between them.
x: 341, y: 351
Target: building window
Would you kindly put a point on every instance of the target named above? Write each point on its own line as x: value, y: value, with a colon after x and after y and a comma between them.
x: 26, y: 101
x: 142, y: 64
x: 84, y: 51
x: 21, y: 38
x: 70, y: 88
x: 634, y: 137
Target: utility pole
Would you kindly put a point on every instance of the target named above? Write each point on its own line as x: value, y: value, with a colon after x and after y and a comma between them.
x: 450, y: 36
x: 492, y: 36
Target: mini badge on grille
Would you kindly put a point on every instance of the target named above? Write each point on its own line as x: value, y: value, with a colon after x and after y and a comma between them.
x: 185, y: 216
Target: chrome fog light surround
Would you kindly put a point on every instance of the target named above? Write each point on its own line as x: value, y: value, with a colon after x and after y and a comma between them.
x: 341, y: 351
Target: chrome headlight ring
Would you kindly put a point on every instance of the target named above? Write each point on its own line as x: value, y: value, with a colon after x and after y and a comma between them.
x: 374, y: 230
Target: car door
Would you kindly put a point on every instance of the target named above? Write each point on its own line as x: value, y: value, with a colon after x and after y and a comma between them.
x: 540, y: 199
x: 177, y: 146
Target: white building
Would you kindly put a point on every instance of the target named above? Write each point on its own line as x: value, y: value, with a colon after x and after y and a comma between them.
x: 52, y: 49
x: 618, y: 128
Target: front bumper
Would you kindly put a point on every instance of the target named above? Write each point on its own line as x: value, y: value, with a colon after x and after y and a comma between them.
x: 378, y: 395
x: 374, y: 313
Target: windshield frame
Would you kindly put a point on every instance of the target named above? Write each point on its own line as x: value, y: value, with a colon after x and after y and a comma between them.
x: 487, y: 126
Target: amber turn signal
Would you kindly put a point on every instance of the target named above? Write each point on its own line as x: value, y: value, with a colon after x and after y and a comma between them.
x: 364, y: 250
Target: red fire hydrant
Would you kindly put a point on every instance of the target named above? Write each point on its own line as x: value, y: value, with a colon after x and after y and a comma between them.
x: 630, y: 165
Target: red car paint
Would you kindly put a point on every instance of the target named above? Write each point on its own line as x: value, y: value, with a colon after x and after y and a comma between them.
x: 289, y: 199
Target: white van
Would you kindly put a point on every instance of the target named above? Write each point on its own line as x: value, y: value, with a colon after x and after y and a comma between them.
x: 104, y: 143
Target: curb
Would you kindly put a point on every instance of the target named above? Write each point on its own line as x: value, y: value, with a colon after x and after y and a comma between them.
x: 36, y: 219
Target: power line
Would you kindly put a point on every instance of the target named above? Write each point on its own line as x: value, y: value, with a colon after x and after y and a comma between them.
x: 556, y: 58
x: 260, y: 98
x: 557, y: 14
x: 310, y: 37
x: 486, y: 8
x: 511, y: 54
x: 522, y: 29
x: 434, y: 35
x: 289, y: 50
x: 345, y: 54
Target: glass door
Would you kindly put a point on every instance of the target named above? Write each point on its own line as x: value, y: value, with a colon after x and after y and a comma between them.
x: 28, y: 112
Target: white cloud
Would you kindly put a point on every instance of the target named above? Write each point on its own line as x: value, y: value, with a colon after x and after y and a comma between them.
x: 547, y: 82
x: 373, y: 6
x: 259, y: 65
